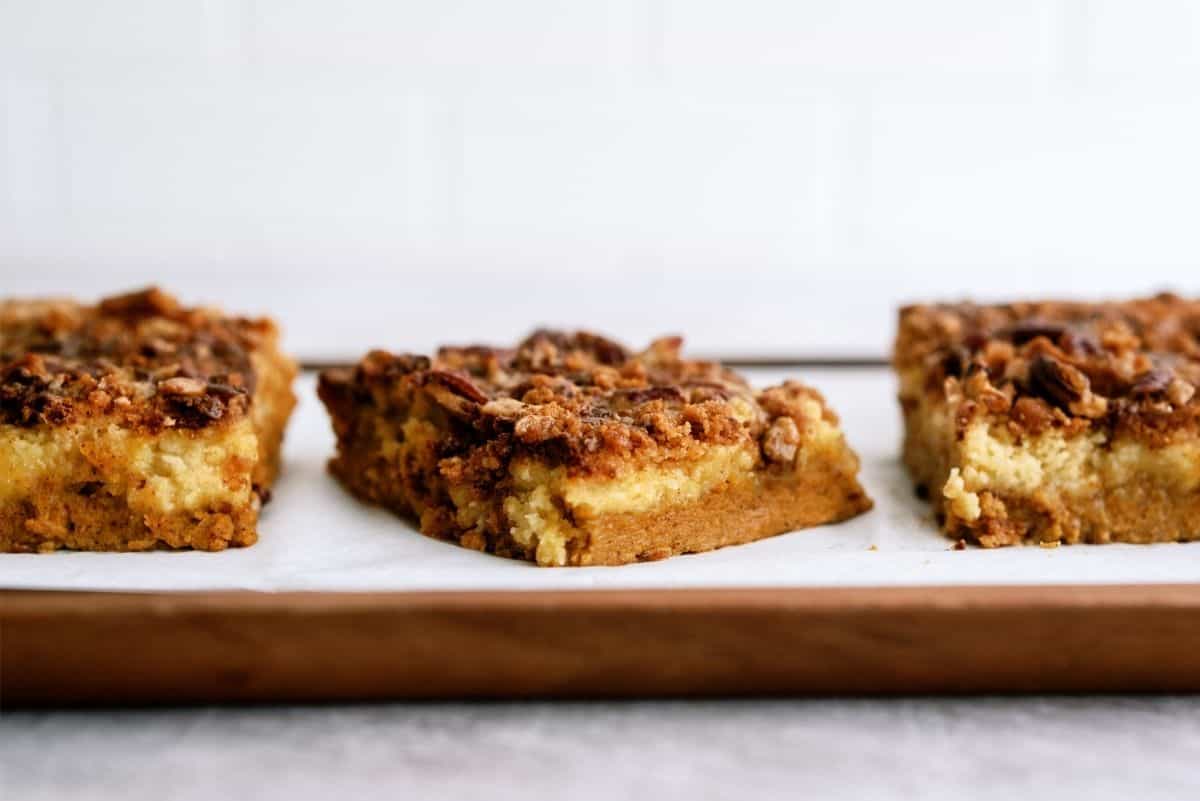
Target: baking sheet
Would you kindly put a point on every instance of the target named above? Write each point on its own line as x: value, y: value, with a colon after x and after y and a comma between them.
x: 313, y: 536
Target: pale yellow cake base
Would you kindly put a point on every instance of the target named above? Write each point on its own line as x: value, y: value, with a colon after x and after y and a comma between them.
x: 994, y: 488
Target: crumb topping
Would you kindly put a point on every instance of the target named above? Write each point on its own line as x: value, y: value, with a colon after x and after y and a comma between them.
x: 581, y: 400
x: 139, y: 358
x: 1130, y: 367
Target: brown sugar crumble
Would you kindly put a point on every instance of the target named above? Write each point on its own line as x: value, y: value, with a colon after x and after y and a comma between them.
x: 570, y: 449
x: 1055, y: 422
x: 136, y: 423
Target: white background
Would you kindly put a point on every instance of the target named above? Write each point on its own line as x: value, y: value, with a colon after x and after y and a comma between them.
x: 769, y: 177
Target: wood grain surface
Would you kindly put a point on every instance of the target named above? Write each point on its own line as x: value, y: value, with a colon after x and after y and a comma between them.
x: 99, y: 648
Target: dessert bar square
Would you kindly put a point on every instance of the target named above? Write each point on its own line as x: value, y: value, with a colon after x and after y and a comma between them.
x: 136, y: 423
x: 571, y: 450
x: 1055, y: 422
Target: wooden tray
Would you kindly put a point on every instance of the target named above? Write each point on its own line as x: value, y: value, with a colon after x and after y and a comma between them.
x: 103, y: 648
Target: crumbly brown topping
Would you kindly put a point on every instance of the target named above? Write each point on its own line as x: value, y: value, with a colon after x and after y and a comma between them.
x: 140, y: 358
x: 576, y: 399
x: 1131, y: 367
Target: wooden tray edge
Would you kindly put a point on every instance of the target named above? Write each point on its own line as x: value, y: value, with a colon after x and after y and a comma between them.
x: 66, y: 648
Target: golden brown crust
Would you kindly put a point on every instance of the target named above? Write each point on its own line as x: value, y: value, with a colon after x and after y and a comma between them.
x: 439, y: 438
x: 50, y: 520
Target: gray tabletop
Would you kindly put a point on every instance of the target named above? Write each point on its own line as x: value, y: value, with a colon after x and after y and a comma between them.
x: 1095, y: 748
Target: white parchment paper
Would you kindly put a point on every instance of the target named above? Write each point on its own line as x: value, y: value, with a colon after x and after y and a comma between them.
x: 313, y: 536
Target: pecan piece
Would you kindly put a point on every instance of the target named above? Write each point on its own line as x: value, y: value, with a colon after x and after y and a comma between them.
x: 505, y: 408
x: 1080, y: 343
x: 381, y: 364
x: 223, y: 389
x: 1180, y: 392
x: 1151, y: 382
x: 955, y: 361
x: 605, y: 350
x: 1024, y: 331
x: 188, y: 387
x: 1059, y: 383
x: 1031, y: 416
x: 536, y: 428
x: 145, y: 303
x: 196, y: 411
x: 780, y: 441
x: 646, y: 394
x: 458, y: 384
x: 1091, y: 406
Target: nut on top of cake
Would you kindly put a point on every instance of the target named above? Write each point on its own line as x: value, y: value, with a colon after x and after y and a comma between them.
x: 136, y: 423
x: 570, y: 449
x: 1054, y: 421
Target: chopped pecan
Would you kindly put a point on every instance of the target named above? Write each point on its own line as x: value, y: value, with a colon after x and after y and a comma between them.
x: 979, y: 388
x: 547, y: 350
x: 537, y: 428
x: 1180, y: 392
x: 196, y: 411
x: 459, y: 385
x: 380, y: 363
x: 1119, y: 336
x: 1059, y: 383
x: 646, y: 394
x: 780, y: 441
x: 223, y: 389
x: 146, y: 303
x: 1152, y: 382
x: 158, y: 346
x: 663, y: 350
x: 699, y: 392
x: 1032, y: 415
x: 1091, y: 406
x: 1028, y: 330
x: 955, y: 361
x: 505, y: 408
x: 182, y: 386
x: 1080, y: 343
x: 997, y: 354
x: 605, y: 350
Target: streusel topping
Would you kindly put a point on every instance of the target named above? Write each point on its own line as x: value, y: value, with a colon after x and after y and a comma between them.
x: 140, y: 358
x: 1131, y: 367
x: 579, y: 399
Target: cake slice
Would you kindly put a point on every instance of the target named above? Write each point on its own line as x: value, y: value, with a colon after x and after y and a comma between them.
x: 571, y: 450
x: 136, y: 423
x: 1055, y: 422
